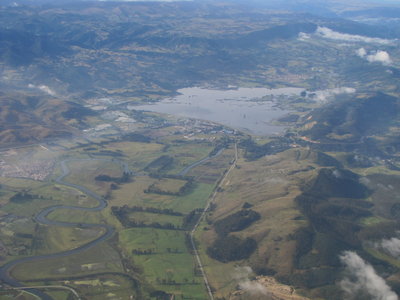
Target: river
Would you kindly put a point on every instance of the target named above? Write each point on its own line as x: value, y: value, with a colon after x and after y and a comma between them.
x: 41, y: 217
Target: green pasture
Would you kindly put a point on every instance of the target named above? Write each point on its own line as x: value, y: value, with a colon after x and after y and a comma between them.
x: 53, y: 239
x: 136, y: 154
x: 184, y: 204
x: 83, y: 172
x: 132, y: 194
x: 171, y: 267
x: 48, y: 195
x: 98, y: 259
x: 169, y: 185
x: 148, y: 218
x: 75, y: 216
x: 186, y: 153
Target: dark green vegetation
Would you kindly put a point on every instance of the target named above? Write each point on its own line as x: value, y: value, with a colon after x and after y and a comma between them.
x: 236, y: 222
x: 334, y: 210
x: 151, y: 213
x: 254, y: 151
x: 160, y: 164
x: 22, y: 197
x: 335, y: 206
x: 230, y: 247
x: 290, y: 204
x: 351, y: 121
x: 347, y: 199
x: 185, y: 187
x: 127, y: 219
x: 126, y: 177
x: 337, y: 210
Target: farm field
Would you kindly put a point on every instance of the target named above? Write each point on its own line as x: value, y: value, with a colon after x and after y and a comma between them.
x: 150, y: 244
x: 172, y: 150
x: 165, y: 259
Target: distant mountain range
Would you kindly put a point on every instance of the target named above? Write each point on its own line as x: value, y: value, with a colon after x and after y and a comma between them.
x: 131, y: 48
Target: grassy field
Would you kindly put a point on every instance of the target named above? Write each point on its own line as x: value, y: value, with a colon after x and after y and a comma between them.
x: 186, y: 153
x: 107, y: 286
x: 384, y: 257
x: 84, y: 173
x: 371, y: 221
x: 376, y: 169
x: 52, y: 239
x: 16, y: 294
x: 16, y: 237
x: 137, y: 155
x: 264, y: 184
x: 101, y: 286
x: 169, y: 185
x: 49, y: 195
x: 170, y: 267
x: 25, y: 238
x: 101, y: 258
x: 57, y: 293
x: 76, y: 216
x: 19, y: 183
x: 212, y: 170
x: 148, y: 218
x: 133, y: 194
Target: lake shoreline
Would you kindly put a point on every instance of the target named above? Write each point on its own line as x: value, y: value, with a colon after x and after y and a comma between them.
x: 251, y: 110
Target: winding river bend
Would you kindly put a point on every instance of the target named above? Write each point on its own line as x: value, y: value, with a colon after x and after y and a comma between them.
x: 41, y: 217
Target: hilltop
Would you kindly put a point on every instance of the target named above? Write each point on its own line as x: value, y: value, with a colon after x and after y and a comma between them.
x: 32, y: 118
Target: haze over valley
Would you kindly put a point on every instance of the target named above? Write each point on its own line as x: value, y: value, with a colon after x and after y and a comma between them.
x: 199, y: 150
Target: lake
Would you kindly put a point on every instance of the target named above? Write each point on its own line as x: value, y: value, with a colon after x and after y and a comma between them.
x: 247, y: 109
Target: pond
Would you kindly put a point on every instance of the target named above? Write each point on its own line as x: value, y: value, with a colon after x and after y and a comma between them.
x: 247, y: 109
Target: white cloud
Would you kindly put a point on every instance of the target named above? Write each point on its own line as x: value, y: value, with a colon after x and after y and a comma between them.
x: 337, y: 174
x: 363, y: 279
x: 325, y: 94
x: 379, y: 56
x: 365, y: 181
x: 46, y: 89
x: 390, y: 246
x: 242, y: 275
x: 375, y: 56
x: 43, y: 88
x: 253, y: 287
x: 361, y: 52
x: 303, y: 36
x: 328, y: 33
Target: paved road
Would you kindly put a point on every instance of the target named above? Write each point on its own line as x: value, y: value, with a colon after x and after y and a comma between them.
x: 210, y: 200
x: 199, y: 162
x: 41, y: 218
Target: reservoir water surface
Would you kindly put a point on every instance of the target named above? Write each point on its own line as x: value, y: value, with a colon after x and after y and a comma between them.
x: 247, y: 109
